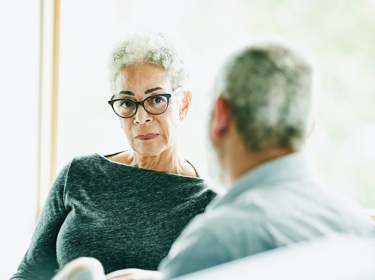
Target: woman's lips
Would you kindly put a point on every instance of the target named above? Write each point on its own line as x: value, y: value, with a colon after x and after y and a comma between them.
x: 148, y: 136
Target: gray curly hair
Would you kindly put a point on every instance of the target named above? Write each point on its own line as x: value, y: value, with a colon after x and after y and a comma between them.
x: 270, y: 86
x: 150, y: 47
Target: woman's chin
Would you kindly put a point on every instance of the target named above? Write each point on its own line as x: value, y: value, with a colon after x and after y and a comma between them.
x: 148, y: 150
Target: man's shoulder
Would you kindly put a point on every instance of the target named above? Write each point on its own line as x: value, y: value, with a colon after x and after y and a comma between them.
x: 289, y: 205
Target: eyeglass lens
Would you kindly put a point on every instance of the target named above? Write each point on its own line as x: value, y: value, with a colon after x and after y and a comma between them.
x: 153, y: 105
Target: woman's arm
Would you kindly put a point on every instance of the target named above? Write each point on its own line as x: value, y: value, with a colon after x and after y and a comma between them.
x: 40, y: 261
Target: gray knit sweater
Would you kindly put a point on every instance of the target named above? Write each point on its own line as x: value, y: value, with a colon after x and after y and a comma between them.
x: 125, y: 217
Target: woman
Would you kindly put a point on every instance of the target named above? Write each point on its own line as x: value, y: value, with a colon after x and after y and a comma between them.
x: 126, y: 209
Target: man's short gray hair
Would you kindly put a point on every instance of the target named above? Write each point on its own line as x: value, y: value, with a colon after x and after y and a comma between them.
x: 270, y: 88
x: 151, y: 47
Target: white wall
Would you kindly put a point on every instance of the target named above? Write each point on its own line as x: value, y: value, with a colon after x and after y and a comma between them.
x: 19, y: 55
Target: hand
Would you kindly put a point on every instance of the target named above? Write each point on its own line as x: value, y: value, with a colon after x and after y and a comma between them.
x: 82, y: 264
x: 134, y: 274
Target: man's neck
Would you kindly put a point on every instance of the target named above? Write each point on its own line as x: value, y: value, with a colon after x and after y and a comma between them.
x: 254, y: 160
x: 237, y: 160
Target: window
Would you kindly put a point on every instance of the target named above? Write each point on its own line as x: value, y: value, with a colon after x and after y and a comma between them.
x: 341, y: 145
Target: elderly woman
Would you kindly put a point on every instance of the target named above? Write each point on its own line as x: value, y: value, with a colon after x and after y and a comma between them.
x: 127, y: 208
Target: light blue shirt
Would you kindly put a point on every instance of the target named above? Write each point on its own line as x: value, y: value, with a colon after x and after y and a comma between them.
x: 278, y: 203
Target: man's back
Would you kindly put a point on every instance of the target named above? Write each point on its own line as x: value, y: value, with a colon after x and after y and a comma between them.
x: 279, y: 203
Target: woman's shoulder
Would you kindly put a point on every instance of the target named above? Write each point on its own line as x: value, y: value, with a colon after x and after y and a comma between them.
x: 97, y: 157
x: 92, y: 158
x: 94, y: 161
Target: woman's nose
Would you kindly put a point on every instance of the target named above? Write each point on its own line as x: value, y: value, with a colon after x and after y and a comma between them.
x: 141, y: 117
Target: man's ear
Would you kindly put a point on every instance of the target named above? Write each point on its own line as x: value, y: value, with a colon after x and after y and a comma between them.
x: 186, y: 101
x: 220, y: 117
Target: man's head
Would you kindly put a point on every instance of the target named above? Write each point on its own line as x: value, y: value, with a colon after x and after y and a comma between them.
x: 266, y: 92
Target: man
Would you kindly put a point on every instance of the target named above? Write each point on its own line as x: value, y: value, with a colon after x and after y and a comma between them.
x: 262, y: 115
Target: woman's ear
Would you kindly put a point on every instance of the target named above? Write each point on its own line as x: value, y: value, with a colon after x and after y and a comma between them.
x: 186, y: 101
x: 220, y: 118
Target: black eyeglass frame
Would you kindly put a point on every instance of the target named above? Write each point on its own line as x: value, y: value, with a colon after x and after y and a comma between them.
x: 137, y: 103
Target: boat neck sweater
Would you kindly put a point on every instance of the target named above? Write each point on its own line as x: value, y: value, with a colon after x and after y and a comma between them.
x: 124, y: 216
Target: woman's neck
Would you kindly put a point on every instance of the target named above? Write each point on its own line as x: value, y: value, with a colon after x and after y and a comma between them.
x: 167, y: 161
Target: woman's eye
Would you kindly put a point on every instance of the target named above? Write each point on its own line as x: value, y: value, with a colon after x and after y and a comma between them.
x: 126, y: 103
x: 158, y: 99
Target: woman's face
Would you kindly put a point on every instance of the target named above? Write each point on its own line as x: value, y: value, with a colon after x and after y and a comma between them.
x: 147, y: 134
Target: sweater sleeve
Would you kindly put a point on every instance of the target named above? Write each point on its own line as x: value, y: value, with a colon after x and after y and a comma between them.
x: 40, y: 260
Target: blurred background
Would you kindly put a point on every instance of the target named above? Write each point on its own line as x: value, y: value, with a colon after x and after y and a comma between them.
x: 54, y: 87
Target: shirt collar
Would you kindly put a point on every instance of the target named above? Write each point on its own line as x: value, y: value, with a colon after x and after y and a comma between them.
x: 287, y: 167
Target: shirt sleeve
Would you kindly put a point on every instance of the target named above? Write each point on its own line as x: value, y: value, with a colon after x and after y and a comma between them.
x: 40, y: 260
x: 195, y: 249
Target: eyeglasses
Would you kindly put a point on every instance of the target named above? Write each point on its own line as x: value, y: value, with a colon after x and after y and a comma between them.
x: 155, y: 105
